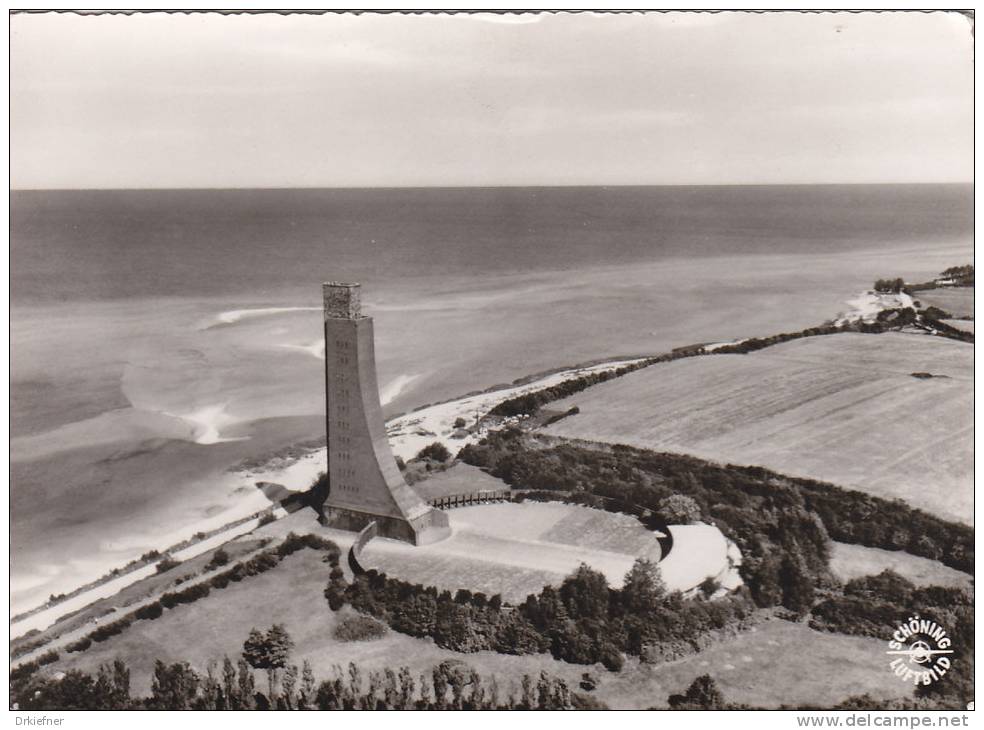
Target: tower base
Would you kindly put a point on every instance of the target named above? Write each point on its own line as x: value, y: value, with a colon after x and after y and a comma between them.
x: 429, y: 527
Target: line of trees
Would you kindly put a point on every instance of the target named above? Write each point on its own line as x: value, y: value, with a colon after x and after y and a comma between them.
x: 781, y: 524
x: 530, y: 403
x: 890, y: 286
x: 450, y: 685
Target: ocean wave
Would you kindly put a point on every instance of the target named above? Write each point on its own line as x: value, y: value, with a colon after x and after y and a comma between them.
x: 394, y: 388
x: 207, y: 423
x: 232, y: 316
x: 315, y: 349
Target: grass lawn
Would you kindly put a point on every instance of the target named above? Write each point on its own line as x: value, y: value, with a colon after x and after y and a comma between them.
x: 965, y: 325
x: 459, y: 479
x: 958, y: 300
x: 291, y: 594
x: 150, y: 586
x: 778, y: 662
x: 842, y: 408
x: 855, y: 561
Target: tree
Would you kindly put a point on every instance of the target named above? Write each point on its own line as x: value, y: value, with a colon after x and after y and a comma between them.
x: 406, y: 689
x: 679, y: 509
x: 255, y: 649
x: 269, y: 652
x: 210, y: 696
x: 643, y: 589
x: 435, y: 451
x: 247, y: 686
x: 702, y: 694
x: 305, y: 700
x: 585, y: 593
x: 289, y: 683
x: 174, y: 686
x: 74, y: 691
x: 797, y: 584
x: 762, y: 577
x: 230, y: 693
x: 113, y: 684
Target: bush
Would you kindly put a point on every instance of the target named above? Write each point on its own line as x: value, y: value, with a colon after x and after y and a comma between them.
x: 109, y: 630
x: 260, y: 564
x: 188, y: 595
x: 359, y: 628
x: 611, y: 658
x: 435, y: 451
x: 26, y: 669
x: 81, y: 645
x: 149, y: 612
x: 166, y: 563
x: 679, y: 509
x: 460, y: 422
x: 219, y: 558
x: 267, y: 518
x: 294, y: 542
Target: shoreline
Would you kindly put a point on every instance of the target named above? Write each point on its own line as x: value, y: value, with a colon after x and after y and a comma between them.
x: 287, y: 465
x: 407, y: 434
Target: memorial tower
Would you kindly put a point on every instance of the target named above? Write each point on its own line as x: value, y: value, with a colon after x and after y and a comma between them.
x: 365, y: 484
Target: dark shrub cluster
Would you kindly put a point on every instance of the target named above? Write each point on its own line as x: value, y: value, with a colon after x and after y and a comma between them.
x: 81, y: 645
x: 112, y: 629
x: 26, y: 669
x: 435, y: 451
x: 26, y: 648
x: 530, y: 403
x: 166, y: 563
x: 583, y: 621
x: 149, y: 612
x: 188, y: 595
x: 889, y: 286
x: 360, y: 628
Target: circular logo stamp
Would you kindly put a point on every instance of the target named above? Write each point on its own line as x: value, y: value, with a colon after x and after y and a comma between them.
x: 920, y: 651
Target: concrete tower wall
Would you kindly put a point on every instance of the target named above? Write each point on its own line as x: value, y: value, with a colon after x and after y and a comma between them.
x: 365, y: 483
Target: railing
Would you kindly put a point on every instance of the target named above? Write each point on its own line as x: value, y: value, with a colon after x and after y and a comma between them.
x: 466, y: 500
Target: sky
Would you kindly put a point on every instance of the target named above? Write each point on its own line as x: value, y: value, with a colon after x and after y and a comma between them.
x: 209, y: 101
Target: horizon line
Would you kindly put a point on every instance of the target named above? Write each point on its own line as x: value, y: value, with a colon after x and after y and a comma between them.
x: 484, y: 187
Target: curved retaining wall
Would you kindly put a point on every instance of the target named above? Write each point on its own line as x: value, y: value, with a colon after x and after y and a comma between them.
x: 365, y: 535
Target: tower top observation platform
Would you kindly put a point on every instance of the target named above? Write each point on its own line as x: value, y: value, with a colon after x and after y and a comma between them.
x: 342, y: 300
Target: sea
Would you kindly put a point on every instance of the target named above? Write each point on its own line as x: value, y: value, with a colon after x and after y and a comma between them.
x: 161, y: 338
